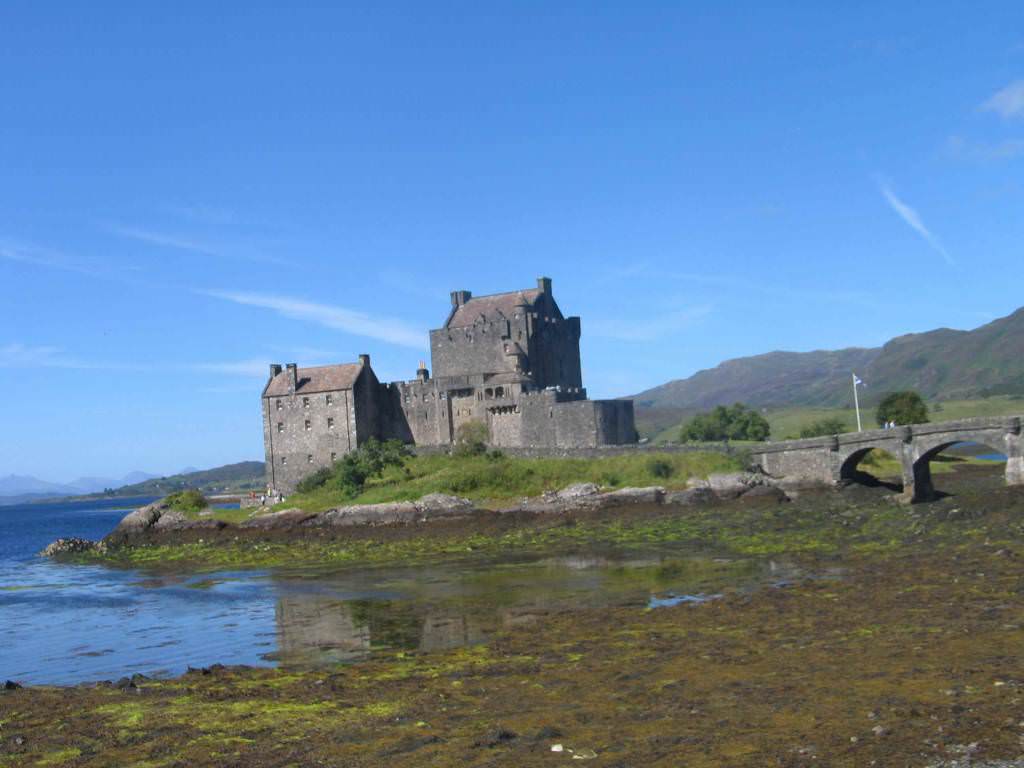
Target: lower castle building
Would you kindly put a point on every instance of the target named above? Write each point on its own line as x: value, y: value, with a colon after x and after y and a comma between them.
x: 509, y: 361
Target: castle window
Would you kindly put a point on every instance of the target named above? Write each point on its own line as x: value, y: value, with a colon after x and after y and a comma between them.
x: 280, y: 405
x: 551, y: 413
x: 305, y: 402
x: 425, y: 397
x: 334, y: 456
x: 407, y: 398
x: 330, y: 399
x: 280, y: 427
x: 309, y: 425
x: 284, y: 460
x: 309, y: 458
x: 499, y: 391
x: 489, y: 393
x: 330, y: 422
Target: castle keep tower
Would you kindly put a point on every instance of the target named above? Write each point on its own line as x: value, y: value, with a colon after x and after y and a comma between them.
x: 509, y: 361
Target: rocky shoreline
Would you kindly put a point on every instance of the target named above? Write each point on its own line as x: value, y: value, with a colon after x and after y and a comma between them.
x: 158, y: 522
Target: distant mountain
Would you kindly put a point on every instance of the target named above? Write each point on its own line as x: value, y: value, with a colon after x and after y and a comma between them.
x: 243, y: 476
x: 231, y: 478
x: 11, y: 485
x: 943, y: 364
x: 14, y: 485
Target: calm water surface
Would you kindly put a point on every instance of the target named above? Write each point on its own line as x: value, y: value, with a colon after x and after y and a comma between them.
x: 69, y: 623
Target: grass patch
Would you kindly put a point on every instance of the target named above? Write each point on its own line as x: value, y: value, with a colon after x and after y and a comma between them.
x: 501, y: 478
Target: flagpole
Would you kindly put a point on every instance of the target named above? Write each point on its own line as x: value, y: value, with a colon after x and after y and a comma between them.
x: 856, y: 402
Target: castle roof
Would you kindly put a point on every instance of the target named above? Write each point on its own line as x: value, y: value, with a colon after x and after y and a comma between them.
x: 489, y: 306
x: 321, y: 378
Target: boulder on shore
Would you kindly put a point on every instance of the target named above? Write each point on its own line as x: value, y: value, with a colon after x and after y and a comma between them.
x: 653, y: 494
x: 431, y: 507
x: 142, y: 518
x: 72, y: 546
x: 286, y: 518
x: 690, y: 497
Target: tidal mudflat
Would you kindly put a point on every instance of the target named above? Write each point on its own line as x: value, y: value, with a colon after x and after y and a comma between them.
x: 885, y: 635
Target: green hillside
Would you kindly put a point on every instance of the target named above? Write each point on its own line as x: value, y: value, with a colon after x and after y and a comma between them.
x: 231, y: 478
x: 943, y: 365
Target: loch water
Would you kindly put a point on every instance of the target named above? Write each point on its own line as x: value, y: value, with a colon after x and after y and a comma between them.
x: 65, y: 624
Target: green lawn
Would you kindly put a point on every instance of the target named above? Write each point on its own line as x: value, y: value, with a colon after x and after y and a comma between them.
x: 498, y: 480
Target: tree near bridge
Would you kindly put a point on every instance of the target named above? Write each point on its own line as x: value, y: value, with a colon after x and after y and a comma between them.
x: 734, y: 422
x: 823, y: 427
x: 905, y: 407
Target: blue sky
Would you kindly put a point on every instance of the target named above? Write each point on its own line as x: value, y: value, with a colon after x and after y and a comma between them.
x: 192, y: 190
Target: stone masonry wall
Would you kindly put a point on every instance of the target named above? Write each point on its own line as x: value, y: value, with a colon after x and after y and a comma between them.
x: 293, y: 449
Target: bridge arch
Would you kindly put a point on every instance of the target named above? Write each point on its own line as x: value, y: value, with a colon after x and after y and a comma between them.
x: 850, y: 471
x: 927, y: 448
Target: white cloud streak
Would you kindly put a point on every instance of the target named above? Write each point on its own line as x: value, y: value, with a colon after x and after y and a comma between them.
x: 188, y: 244
x: 336, y: 318
x: 1009, y: 102
x: 913, y: 220
x: 24, y: 356
x: 164, y: 240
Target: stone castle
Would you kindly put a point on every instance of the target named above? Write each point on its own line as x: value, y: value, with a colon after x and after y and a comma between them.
x: 509, y: 361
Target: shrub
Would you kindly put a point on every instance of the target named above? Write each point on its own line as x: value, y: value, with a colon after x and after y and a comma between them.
x: 471, y: 439
x: 734, y: 422
x: 905, y: 407
x: 350, y: 473
x: 311, y: 482
x: 189, y: 500
x: 659, y: 468
x: 823, y: 427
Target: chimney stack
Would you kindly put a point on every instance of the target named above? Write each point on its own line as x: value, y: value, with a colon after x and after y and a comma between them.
x: 422, y: 373
x: 544, y: 285
x: 293, y: 377
x: 460, y: 297
x: 364, y: 360
x: 275, y: 369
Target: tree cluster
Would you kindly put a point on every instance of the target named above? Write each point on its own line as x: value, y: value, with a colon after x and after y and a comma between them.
x: 905, y: 407
x: 733, y: 422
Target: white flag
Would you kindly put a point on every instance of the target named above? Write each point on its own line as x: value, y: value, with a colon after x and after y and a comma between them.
x: 857, y: 382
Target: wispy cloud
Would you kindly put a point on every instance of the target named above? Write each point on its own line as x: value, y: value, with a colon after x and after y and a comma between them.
x: 196, y: 245
x: 957, y: 146
x: 336, y: 318
x: 37, y: 256
x: 655, y: 326
x: 1009, y: 102
x: 27, y: 356
x: 163, y: 240
x: 913, y: 220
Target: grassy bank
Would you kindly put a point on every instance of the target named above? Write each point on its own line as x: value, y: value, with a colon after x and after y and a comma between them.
x: 825, y: 523
x: 493, y: 481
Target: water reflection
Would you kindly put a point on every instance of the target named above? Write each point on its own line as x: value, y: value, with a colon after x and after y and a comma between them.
x: 65, y: 624
x: 348, y: 618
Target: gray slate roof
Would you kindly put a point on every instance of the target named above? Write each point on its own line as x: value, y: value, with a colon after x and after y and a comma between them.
x: 491, y: 306
x: 322, y: 378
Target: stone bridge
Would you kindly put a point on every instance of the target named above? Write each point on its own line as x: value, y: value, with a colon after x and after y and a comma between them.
x: 832, y: 459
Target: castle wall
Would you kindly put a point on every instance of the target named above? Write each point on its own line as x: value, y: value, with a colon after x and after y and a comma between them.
x: 554, y: 352
x: 293, y: 450
x: 479, y: 348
